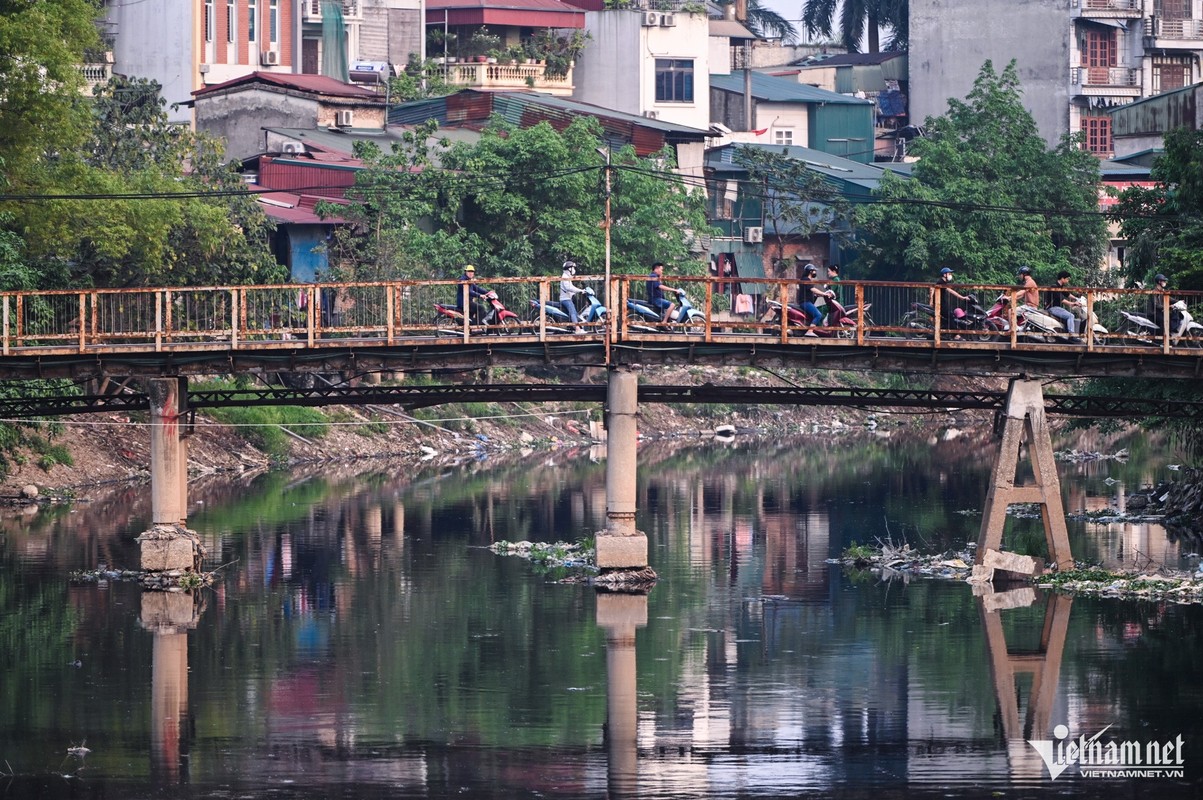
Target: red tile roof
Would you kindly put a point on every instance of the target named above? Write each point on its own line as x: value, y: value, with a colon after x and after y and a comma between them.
x: 318, y: 84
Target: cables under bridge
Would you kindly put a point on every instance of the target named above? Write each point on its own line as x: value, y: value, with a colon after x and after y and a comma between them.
x: 413, y: 397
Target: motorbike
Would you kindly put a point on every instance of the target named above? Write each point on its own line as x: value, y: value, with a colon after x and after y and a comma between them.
x: 590, y: 311
x: 1036, y: 325
x: 974, y: 321
x: 497, y: 318
x: 800, y: 323
x: 1147, y: 331
x: 647, y: 319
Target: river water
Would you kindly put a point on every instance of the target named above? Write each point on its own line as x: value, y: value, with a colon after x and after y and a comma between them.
x: 362, y: 641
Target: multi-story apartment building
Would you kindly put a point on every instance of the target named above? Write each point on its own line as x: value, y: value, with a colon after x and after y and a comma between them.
x: 186, y: 45
x: 1076, y: 58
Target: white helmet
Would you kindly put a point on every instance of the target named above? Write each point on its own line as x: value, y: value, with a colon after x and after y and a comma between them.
x: 570, y: 267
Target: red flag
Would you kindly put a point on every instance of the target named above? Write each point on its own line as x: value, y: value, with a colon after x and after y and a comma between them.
x: 761, y: 132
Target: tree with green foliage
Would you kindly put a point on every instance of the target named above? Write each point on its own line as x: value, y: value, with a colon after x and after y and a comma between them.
x: 767, y: 23
x: 190, y: 220
x: 517, y: 202
x: 1164, y: 223
x: 42, y: 45
x: 798, y: 201
x: 850, y: 21
x: 986, y: 196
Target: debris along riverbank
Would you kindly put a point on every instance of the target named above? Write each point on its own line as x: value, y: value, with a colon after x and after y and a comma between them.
x: 889, y: 561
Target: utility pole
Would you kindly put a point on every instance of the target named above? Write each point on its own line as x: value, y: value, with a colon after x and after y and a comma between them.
x: 606, y: 291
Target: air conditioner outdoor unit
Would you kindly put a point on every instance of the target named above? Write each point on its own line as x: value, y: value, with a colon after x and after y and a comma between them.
x: 270, y: 58
x: 668, y: 20
x: 292, y: 148
x: 754, y: 234
x: 651, y: 19
x: 203, y: 69
x: 344, y: 118
x: 652, y: 114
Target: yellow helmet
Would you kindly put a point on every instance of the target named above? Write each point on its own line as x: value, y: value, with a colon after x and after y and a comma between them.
x: 469, y: 268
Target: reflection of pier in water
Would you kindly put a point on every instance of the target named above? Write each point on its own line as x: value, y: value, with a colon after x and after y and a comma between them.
x: 1008, y: 664
x: 169, y: 616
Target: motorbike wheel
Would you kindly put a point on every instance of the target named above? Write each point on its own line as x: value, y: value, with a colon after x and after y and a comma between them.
x: 990, y: 332
x: 695, y: 327
x: 509, y: 327
x: 1100, y: 339
x: 913, y: 328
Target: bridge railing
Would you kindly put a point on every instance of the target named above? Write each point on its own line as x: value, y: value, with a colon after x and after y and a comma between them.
x: 386, y: 312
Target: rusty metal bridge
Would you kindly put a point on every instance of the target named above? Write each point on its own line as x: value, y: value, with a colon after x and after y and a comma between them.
x: 393, y: 326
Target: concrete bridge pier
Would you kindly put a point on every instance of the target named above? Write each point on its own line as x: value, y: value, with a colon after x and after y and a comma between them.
x: 169, y: 545
x: 1024, y: 414
x: 621, y: 547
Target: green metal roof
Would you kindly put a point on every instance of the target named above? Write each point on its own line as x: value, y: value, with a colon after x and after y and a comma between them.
x: 860, y: 178
x: 771, y: 89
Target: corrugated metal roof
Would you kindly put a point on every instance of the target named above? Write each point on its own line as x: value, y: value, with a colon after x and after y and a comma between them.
x: 849, y: 59
x: 722, y: 159
x: 320, y: 84
x: 780, y: 90
x: 542, y: 5
x: 471, y: 105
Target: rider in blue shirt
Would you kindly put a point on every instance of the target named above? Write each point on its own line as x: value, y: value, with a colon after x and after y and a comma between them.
x: 656, y: 290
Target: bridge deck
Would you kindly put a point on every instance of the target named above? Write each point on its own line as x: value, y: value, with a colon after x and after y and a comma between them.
x: 394, y: 326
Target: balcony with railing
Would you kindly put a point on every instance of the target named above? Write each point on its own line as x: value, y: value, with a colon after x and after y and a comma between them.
x: 496, y: 77
x: 97, y: 69
x: 311, y: 10
x: 1175, y: 34
x: 1106, y: 9
x: 1105, y: 81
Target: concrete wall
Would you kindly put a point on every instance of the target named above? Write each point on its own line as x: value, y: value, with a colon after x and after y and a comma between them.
x: 238, y: 117
x: 618, y: 68
x: 951, y: 40
x: 159, y: 46
x: 391, y: 31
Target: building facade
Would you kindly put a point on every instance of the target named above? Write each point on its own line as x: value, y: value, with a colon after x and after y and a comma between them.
x: 186, y: 45
x: 1076, y: 59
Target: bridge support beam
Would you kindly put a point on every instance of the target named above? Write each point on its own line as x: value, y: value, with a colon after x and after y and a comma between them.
x: 1024, y: 414
x: 168, y: 545
x: 621, y: 546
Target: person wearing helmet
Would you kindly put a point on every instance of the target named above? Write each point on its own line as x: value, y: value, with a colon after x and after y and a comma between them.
x: 656, y: 290
x: 950, y: 299
x: 569, y: 291
x: 808, y: 293
x: 1029, y: 292
x: 469, y: 290
x: 1156, y: 306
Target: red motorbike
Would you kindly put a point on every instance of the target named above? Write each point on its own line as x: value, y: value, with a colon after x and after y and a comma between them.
x: 498, y: 318
x: 801, y: 325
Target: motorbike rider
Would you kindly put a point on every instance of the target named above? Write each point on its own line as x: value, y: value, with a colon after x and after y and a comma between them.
x: 569, y: 291
x: 468, y: 279
x: 1156, y: 305
x: 1028, y: 293
x: 1061, y: 304
x: 656, y: 290
x: 808, y: 293
x: 947, y: 306
x: 835, y: 308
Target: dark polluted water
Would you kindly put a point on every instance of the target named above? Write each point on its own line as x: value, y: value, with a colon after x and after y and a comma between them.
x: 362, y: 641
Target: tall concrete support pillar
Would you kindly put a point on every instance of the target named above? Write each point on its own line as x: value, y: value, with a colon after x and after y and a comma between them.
x: 168, y: 454
x: 621, y: 546
x: 1024, y: 414
x: 168, y: 546
x: 620, y: 615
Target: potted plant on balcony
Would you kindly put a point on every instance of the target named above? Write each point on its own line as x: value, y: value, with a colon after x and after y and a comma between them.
x: 481, y: 42
x: 440, y: 45
x: 560, y: 50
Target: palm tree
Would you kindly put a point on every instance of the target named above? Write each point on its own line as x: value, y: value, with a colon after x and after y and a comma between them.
x: 857, y: 19
x: 767, y: 23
